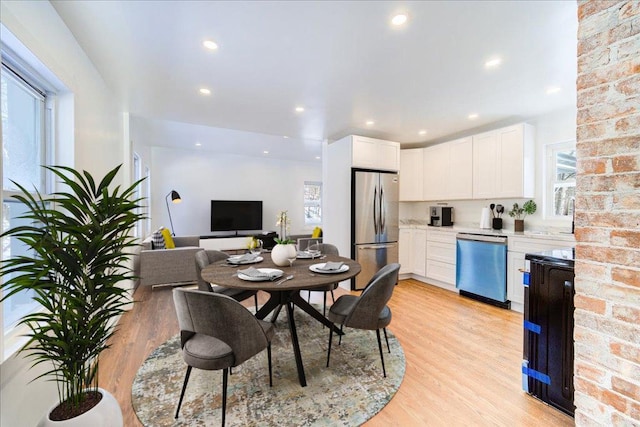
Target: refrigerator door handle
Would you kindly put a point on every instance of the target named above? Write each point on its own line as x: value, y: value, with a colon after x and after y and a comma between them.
x: 375, y: 214
x: 382, y: 246
x: 383, y: 212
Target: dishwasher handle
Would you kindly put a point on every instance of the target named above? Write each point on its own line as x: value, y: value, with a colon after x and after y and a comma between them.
x: 501, y: 240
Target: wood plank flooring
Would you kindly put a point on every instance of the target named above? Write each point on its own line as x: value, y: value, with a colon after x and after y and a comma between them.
x: 463, y: 359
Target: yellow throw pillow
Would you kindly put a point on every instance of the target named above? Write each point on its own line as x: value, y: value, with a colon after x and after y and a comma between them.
x: 317, y: 232
x: 168, y: 240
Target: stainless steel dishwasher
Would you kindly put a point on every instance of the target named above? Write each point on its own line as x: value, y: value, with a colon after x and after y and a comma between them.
x: 481, y: 268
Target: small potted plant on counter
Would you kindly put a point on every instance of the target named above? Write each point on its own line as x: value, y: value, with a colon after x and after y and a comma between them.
x: 520, y: 213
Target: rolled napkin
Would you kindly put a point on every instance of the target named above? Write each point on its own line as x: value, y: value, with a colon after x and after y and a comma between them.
x: 242, y: 258
x: 331, y: 266
x: 254, y: 272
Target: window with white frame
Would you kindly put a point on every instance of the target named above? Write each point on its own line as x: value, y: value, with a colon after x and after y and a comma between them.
x: 26, y: 140
x: 561, y: 179
x: 137, y: 174
x: 147, y: 204
x: 312, y: 203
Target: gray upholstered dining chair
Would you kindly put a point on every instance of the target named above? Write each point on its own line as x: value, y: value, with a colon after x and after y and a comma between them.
x: 368, y: 310
x: 206, y: 257
x: 217, y: 332
x: 325, y: 249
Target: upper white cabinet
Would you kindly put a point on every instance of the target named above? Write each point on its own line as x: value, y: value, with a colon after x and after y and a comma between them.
x: 447, y: 170
x: 373, y: 153
x: 503, y: 163
x: 411, y: 174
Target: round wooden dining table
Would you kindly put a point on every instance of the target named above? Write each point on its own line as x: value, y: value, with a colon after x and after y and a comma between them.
x: 287, y: 293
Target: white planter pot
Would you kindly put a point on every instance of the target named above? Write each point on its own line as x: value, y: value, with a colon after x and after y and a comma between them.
x: 280, y: 254
x: 106, y: 413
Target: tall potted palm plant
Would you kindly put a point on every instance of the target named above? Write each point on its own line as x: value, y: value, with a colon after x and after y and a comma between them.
x: 79, y: 240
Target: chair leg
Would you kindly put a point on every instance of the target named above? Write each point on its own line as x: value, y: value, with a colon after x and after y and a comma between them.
x: 340, y: 337
x: 184, y: 387
x: 308, y: 297
x: 225, y: 373
x: 255, y: 299
x: 269, y: 359
x: 384, y: 372
x: 329, y: 349
x: 386, y: 338
x: 333, y: 297
x: 324, y: 305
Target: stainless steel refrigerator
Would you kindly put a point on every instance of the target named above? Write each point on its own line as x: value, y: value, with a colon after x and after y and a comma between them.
x: 374, y: 222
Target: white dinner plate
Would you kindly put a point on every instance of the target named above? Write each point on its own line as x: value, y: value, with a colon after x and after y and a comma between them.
x: 316, y: 268
x: 273, y: 272
x: 236, y: 260
x: 307, y: 255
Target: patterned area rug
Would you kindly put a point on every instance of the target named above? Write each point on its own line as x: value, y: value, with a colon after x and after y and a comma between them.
x: 348, y: 393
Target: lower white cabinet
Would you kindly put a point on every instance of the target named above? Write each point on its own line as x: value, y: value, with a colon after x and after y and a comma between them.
x: 441, y: 256
x: 412, y: 248
x: 516, y: 264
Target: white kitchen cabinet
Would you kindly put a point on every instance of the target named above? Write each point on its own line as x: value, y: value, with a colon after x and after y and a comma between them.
x: 411, y: 174
x: 448, y: 170
x: 419, y: 252
x: 412, y: 251
x: 503, y: 163
x: 518, y: 247
x: 404, y: 250
x: 436, y: 159
x: 460, y: 169
x: 441, y: 257
x: 376, y: 154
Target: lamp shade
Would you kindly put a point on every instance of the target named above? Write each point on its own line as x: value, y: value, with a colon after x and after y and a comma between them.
x: 175, y: 197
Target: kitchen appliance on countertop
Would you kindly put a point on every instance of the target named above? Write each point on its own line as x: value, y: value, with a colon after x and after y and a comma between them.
x: 441, y: 216
x: 374, y: 222
x: 481, y: 268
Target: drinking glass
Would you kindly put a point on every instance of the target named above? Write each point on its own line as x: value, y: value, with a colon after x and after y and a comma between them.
x: 256, y: 249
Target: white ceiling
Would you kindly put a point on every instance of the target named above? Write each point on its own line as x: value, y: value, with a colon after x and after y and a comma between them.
x: 341, y: 60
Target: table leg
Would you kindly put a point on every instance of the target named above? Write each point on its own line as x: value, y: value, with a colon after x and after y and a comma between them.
x: 269, y: 306
x: 311, y: 311
x: 296, y: 345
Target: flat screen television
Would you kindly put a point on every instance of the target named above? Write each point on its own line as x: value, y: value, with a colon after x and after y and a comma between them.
x: 235, y: 215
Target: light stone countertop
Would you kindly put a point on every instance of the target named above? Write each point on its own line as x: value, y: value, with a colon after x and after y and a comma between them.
x: 550, y: 234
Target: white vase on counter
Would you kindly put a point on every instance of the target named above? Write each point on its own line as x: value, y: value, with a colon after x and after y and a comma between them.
x: 280, y: 254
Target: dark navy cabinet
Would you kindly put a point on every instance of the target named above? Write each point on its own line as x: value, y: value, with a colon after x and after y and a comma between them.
x: 548, y: 328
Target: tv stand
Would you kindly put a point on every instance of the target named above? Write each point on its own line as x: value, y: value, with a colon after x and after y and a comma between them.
x: 236, y: 240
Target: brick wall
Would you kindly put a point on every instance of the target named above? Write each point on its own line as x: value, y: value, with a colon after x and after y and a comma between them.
x: 607, y: 317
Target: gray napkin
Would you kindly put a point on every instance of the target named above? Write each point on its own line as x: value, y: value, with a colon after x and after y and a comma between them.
x: 254, y: 272
x: 242, y: 258
x: 331, y: 266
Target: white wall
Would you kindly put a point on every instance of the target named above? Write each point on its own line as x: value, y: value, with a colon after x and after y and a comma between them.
x: 90, y: 137
x: 552, y: 128
x: 200, y: 176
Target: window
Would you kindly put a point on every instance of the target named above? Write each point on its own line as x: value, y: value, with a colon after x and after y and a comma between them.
x: 561, y: 179
x: 26, y: 137
x: 137, y: 174
x: 312, y: 203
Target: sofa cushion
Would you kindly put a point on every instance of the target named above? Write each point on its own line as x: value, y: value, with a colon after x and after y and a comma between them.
x: 168, y: 239
x: 157, y: 239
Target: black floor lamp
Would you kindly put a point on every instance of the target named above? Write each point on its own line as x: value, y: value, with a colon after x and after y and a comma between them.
x: 175, y: 198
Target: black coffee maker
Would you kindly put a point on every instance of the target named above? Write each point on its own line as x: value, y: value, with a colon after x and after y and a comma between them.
x: 441, y: 216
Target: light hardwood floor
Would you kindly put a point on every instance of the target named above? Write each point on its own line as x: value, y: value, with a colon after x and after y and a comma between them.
x: 463, y: 359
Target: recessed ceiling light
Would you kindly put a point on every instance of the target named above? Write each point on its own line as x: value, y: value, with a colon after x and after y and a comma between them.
x: 493, y: 63
x: 399, y: 19
x: 198, y: 144
x: 265, y: 152
x: 318, y: 157
x: 205, y: 91
x: 422, y: 132
x: 473, y: 116
x: 553, y: 89
x: 285, y: 137
x: 210, y: 44
x: 299, y: 109
x: 370, y: 122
